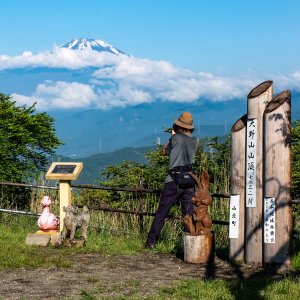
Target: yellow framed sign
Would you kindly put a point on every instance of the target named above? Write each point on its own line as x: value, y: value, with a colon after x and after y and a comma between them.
x: 64, y: 170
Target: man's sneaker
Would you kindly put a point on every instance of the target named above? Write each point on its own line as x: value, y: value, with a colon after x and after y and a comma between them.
x: 149, y: 246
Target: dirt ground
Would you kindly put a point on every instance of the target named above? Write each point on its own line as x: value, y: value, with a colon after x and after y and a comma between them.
x: 111, y: 276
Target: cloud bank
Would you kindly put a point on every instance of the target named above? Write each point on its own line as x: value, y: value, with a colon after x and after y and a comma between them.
x: 118, y: 81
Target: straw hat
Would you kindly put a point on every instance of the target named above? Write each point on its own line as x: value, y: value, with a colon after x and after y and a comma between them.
x: 185, y: 120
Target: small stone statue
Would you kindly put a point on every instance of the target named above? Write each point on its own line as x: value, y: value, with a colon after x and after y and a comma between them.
x: 47, y: 221
x: 73, y: 220
x: 200, y: 222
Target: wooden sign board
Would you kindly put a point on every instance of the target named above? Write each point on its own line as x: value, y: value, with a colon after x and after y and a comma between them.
x: 269, y: 220
x: 251, y: 163
x: 234, y: 218
x: 64, y: 170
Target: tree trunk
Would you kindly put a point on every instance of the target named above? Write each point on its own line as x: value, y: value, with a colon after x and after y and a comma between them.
x: 198, y: 248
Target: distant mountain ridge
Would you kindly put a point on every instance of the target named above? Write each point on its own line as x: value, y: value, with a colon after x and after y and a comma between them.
x: 96, y: 131
x: 93, y: 165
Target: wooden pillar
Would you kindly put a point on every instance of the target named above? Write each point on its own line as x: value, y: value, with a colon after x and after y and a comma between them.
x: 237, y: 189
x: 278, y: 217
x: 258, y: 98
x: 64, y: 199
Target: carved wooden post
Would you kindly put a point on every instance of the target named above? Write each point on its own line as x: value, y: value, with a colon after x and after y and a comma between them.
x: 278, y: 213
x: 258, y: 98
x: 237, y: 190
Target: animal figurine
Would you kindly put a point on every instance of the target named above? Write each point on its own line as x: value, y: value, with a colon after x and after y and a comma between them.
x: 200, y: 222
x: 47, y: 221
x: 74, y: 220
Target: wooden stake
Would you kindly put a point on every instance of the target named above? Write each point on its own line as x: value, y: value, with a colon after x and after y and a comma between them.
x: 65, y: 195
x: 199, y: 248
x: 258, y: 98
x: 277, y: 146
x: 237, y: 184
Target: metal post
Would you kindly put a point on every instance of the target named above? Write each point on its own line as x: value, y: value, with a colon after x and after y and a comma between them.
x: 141, y: 205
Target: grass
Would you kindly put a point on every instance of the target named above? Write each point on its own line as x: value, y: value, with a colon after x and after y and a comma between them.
x: 14, y: 253
x: 296, y: 256
x: 254, y: 288
x: 118, y: 239
x: 107, y: 235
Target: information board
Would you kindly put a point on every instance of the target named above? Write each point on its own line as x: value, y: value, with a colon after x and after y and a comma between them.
x: 64, y: 170
x: 269, y: 220
x: 251, y: 163
x: 234, y: 217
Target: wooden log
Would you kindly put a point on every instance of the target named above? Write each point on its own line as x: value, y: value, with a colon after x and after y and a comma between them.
x: 277, y: 151
x: 237, y: 184
x: 198, y: 248
x: 258, y: 98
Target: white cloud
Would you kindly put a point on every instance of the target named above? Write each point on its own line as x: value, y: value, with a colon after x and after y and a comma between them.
x: 25, y: 100
x: 59, y: 58
x: 123, y: 80
x: 161, y: 80
x: 288, y: 81
x: 50, y: 95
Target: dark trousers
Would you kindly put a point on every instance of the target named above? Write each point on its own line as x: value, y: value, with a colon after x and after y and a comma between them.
x: 169, y: 196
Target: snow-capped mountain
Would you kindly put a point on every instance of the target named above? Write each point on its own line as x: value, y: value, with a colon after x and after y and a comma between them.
x: 104, y: 101
x: 97, y: 45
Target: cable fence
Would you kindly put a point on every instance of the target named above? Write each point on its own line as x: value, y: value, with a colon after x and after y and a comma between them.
x: 136, y: 207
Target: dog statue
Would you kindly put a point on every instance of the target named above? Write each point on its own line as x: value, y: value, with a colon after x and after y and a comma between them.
x: 74, y: 220
x: 200, y: 222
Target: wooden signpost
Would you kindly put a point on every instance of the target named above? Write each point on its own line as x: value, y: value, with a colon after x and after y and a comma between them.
x: 261, y: 181
x: 237, y: 190
x: 258, y: 98
x: 64, y: 172
x: 277, y: 197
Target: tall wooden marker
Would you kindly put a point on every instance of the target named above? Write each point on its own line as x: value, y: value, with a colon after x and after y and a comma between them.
x: 237, y: 190
x: 258, y: 98
x: 277, y: 198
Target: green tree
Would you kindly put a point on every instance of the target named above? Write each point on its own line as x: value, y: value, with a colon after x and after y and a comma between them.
x: 295, y: 149
x: 27, y: 139
x: 219, y: 163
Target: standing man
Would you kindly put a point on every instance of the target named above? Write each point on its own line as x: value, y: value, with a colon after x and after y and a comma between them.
x: 181, y: 149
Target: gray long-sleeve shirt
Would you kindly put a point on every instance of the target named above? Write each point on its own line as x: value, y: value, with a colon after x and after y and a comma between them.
x: 181, y: 151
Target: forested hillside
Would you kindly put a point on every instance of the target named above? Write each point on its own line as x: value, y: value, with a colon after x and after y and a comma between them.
x: 95, y: 164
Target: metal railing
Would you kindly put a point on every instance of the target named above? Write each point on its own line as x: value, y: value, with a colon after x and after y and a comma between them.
x: 139, y: 191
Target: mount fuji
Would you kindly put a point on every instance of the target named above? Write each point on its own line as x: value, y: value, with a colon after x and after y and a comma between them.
x: 91, y: 44
x: 103, y: 99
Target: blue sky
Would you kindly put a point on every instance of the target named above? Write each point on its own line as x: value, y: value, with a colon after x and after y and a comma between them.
x: 180, y: 50
x: 224, y: 37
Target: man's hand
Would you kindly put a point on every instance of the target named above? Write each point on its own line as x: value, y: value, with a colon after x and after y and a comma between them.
x: 164, y: 150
